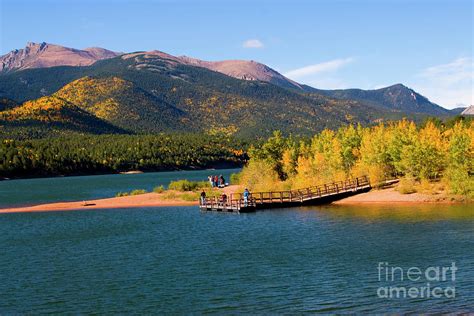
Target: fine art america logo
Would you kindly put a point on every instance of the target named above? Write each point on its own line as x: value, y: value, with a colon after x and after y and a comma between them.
x: 436, y: 281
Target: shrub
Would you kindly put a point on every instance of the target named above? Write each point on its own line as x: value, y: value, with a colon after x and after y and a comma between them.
x: 159, y: 189
x: 460, y: 182
x: 426, y: 187
x: 186, y: 185
x: 120, y: 194
x: 213, y: 193
x: 235, y: 178
x: 406, y: 186
x: 137, y: 192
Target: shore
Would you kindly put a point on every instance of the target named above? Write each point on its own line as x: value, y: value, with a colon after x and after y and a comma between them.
x: 384, y: 196
x: 390, y: 195
x: 142, y: 200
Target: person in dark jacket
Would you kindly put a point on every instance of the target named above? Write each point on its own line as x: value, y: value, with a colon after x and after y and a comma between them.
x: 203, y: 197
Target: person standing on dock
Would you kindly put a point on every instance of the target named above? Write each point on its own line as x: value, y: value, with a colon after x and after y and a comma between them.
x: 246, y: 196
x: 203, y: 197
x: 211, y: 181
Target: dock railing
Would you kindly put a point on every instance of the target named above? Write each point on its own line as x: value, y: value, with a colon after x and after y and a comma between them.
x: 236, y: 200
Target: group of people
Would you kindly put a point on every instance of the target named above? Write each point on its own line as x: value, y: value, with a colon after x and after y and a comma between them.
x: 217, y: 181
x: 223, y: 198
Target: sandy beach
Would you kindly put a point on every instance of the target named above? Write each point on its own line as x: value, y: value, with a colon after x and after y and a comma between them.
x: 388, y: 195
x: 143, y: 200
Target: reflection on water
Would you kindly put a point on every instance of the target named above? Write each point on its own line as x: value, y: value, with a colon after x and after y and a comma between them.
x: 401, y: 212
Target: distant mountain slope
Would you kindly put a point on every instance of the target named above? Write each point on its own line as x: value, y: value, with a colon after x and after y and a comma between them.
x: 245, y: 70
x: 468, y: 111
x: 395, y: 98
x: 457, y: 111
x: 121, y: 103
x: 49, y: 115
x: 43, y: 55
x: 6, y: 104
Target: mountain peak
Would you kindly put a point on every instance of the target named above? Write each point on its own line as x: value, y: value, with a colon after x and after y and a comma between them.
x: 396, y: 86
x: 44, y: 55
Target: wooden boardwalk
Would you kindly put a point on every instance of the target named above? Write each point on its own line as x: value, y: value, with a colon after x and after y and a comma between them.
x: 315, y: 195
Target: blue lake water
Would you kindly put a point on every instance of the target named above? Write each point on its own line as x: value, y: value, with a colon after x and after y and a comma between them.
x: 44, y: 190
x: 176, y: 260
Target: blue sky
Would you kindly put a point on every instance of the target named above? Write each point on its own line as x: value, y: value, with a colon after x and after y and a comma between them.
x: 426, y: 45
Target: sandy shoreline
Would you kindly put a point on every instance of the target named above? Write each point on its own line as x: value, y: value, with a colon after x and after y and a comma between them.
x: 385, y: 196
x: 142, y: 200
x: 390, y: 195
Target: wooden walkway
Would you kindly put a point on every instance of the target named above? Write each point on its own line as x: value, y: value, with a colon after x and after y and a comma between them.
x: 315, y: 195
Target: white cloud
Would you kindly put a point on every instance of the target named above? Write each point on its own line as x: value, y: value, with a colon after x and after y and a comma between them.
x: 449, y: 84
x: 327, y: 66
x: 252, y: 43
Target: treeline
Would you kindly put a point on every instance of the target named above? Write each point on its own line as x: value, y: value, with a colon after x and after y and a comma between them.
x: 89, y: 154
x: 433, y: 151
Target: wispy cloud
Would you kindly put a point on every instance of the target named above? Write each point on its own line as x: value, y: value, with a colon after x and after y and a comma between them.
x: 452, y: 73
x: 252, y: 43
x: 327, y: 66
x: 449, y: 84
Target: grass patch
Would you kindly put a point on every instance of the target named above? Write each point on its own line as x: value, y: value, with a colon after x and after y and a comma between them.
x: 170, y: 195
x: 159, y: 189
x: 134, y: 192
x: 138, y: 192
x: 192, y: 196
x: 186, y: 185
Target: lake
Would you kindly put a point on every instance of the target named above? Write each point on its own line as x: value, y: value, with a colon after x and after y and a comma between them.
x: 176, y: 260
x: 25, y: 192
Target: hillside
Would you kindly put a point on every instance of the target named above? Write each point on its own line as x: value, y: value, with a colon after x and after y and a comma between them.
x: 48, y: 116
x: 397, y: 98
x: 122, y: 104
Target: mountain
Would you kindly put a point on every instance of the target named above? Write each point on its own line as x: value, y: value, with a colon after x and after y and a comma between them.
x: 396, y: 98
x: 152, y: 92
x: 149, y: 93
x: 43, y: 55
x: 468, y: 111
x: 457, y: 111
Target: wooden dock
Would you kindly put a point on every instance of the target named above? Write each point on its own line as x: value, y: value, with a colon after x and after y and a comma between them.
x: 315, y: 195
